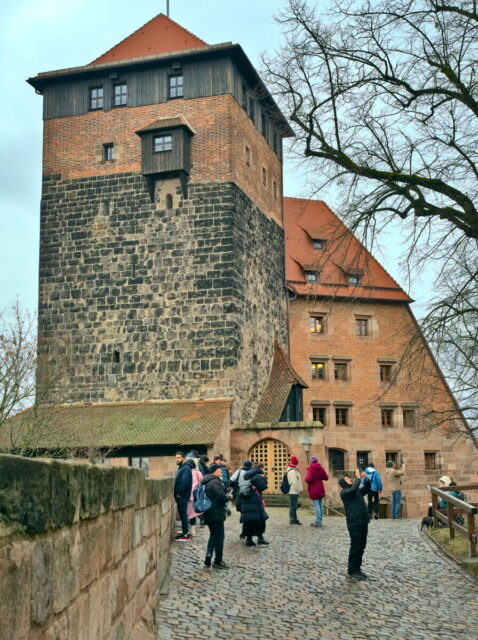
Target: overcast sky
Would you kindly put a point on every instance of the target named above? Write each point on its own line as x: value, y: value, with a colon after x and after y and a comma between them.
x: 43, y: 35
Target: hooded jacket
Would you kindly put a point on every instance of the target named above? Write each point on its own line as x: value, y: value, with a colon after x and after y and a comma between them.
x: 216, y: 492
x: 356, y: 511
x: 375, y: 480
x: 315, y: 477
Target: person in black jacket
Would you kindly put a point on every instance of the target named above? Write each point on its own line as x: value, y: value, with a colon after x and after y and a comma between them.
x: 249, y: 502
x: 214, y: 517
x: 182, y: 492
x: 357, y: 516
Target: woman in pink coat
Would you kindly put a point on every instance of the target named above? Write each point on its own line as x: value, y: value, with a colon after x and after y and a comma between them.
x: 315, y: 477
x: 197, y: 479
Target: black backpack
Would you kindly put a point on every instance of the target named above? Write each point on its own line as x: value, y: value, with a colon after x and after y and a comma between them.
x: 285, y: 484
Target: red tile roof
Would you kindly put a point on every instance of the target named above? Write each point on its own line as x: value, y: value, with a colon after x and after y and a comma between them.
x: 159, y: 35
x: 281, y: 379
x: 305, y: 220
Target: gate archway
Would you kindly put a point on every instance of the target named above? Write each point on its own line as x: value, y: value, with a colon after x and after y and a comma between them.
x: 275, y: 456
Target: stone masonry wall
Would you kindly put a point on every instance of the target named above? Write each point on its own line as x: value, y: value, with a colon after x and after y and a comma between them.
x: 140, y: 302
x: 83, y: 550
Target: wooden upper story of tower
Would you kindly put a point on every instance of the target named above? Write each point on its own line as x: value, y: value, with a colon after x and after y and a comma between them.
x: 164, y: 71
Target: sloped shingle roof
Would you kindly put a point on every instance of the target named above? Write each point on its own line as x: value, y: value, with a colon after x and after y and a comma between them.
x: 281, y: 379
x: 115, y: 425
x: 159, y: 35
x: 344, y: 254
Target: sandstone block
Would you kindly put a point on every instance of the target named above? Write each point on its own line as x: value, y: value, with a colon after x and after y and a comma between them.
x: 42, y: 582
x: 66, y: 566
x: 78, y: 615
x: 15, y: 590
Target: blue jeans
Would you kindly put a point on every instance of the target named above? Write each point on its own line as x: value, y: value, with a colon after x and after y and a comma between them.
x: 396, y: 502
x: 318, y: 510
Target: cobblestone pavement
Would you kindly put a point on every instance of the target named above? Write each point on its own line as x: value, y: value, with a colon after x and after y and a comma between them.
x: 296, y: 589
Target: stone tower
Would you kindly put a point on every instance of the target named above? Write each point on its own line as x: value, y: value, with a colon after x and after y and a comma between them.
x: 162, y: 248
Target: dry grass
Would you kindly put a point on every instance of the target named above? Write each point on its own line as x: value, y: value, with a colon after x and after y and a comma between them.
x: 459, y: 548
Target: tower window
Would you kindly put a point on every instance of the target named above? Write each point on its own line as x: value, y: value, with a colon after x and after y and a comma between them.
x: 108, y: 152
x: 248, y: 156
x: 162, y: 143
x: 120, y: 95
x: 116, y: 356
x: 96, y: 98
x: 275, y: 189
x: 176, y: 86
x: 169, y: 201
x: 264, y: 176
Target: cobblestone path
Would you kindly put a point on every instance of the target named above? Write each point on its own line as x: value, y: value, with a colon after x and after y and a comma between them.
x: 296, y: 588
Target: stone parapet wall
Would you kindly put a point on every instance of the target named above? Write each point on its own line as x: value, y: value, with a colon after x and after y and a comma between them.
x: 83, y: 549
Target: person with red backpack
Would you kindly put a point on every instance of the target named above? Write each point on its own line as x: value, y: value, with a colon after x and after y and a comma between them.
x: 315, y: 477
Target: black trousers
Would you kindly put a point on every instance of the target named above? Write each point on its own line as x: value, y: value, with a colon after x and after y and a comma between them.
x: 358, y: 542
x: 373, y: 502
x: 183, y: 514
x: 216, y: 540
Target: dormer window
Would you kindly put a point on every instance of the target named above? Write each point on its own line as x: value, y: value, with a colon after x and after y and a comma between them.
x: 120, y: 95
x: 176, y: 86
x: 353, y: 278
x: 318, y: 245
x: 311, y: 276
x: 162, y: 143
x: 96, y: 98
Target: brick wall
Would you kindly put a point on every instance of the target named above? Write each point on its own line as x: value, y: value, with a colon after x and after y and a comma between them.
x: 83, y: 549
x: 390, y: 328
x: 190, y: 298
x: 73, y: 146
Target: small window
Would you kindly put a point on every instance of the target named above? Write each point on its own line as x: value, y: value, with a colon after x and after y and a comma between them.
x: 385, y: 372
x: 430, y: 460
x: 274, y: 189
x: 120, y: 95
x: 251, y: 108
x: 387, y: 417
x: 391, y: 456
x: 264, y: 124
x: 319, y: 414
x: 176, y: 87
x: 353, y: 278
x: 248, y: 156
x: 96, y: 98
x: 318, y: 245
x: 341, y: 416
x: 409, y: 417
x: 163, y: 143
x: 340, y: 370
x: 244, y: 97
x: 169, y: 201
x: 318, y: 370
x: 108, y: 152
x: 311, y: 276
x: 361, y: 327
x: 116, y: 356
x: 362, y: 459
x: 264, y: 176
x: 317, y: 324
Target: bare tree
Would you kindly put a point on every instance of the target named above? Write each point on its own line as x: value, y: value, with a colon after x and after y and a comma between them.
x: 383, y: 99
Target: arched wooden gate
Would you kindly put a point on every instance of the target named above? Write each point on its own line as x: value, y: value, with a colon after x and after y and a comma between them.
x: 275, y: 456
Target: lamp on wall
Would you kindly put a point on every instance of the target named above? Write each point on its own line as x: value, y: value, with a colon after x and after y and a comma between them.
x: 306, y: 445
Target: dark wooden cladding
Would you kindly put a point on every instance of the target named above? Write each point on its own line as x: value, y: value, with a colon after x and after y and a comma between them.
x: 202, y: 78
x: 178, y: 159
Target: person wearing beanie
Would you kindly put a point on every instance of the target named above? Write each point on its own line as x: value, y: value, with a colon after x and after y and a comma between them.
x: 315, y: 477
x: 295, y: 481
x: 215, y: 516
x: 357, y: 517
x: 395, y: 483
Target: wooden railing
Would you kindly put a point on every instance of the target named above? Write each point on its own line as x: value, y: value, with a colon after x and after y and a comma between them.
x: 455, y: 506
x: 333, y: 506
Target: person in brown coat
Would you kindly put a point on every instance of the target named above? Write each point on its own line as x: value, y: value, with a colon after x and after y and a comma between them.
x: 395, y: 481
x: 315, y: 477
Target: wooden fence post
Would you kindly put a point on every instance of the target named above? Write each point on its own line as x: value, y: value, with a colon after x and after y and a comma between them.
x: 471, y: 533
x: 451, y: 518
